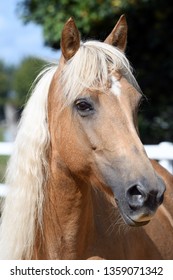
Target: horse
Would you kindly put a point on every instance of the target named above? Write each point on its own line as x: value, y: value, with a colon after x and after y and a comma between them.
x: 80, y: 183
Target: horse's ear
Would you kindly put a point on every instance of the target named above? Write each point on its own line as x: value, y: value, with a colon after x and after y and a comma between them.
x: 70, y: 39
x: 118, y: 36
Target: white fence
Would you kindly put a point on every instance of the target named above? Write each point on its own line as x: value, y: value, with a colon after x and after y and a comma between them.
x: 5, y: 150
x: 162, y: 152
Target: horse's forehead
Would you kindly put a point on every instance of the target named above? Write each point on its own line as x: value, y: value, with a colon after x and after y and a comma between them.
x: 121, y: 87
x: 115, y: 84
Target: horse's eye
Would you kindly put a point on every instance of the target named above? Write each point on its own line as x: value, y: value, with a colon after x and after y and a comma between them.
x: 82, y: 105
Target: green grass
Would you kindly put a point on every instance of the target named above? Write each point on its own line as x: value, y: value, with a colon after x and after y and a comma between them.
x: 1, y: 202
x: 3, y: 165
x: 1, y: 133
x: 3, y: 158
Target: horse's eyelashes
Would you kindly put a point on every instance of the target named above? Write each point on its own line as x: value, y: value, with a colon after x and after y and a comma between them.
x: 84, y: 107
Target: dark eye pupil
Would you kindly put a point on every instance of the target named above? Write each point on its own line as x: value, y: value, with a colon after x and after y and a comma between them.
x: 83, y: 106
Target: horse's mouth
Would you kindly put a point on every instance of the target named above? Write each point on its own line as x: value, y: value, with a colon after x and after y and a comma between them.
x: 135, y: 222
x: 138, y: 218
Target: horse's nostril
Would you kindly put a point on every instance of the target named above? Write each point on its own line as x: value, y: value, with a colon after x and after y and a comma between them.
x: 160, y: 198
x: 134, y: 190
x: 136, y: 197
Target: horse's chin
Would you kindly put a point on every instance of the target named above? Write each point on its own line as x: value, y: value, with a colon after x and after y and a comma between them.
x: 135, y: 222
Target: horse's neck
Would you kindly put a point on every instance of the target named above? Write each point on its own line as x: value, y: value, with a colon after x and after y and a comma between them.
x: 78, y: 220
x: 67, y: 218
x: 80, y: 223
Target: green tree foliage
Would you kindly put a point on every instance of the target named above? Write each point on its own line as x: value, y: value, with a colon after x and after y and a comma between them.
x: 150, y: 46
x: 90, y: 16
x: 150, y: 49
x: 5, y: 84
x: 24, y: 76
x: 6, y: 73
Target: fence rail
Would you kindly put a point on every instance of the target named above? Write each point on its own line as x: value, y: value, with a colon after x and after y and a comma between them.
x: 162, y: 152
x: 6, y: 148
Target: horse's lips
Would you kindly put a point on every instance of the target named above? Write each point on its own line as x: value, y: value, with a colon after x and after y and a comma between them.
x: 134, y: 223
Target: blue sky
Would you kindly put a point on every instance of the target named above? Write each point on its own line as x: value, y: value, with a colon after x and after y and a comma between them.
x: 18, y: 40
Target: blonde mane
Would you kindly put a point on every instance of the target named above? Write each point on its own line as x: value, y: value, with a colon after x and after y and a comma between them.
x: 26, y: 175
x: 27, y: 172
x: 91, y: 69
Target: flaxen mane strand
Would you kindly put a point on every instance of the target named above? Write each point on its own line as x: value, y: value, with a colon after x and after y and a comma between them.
x: 26, y: 175
x: 91, y: 67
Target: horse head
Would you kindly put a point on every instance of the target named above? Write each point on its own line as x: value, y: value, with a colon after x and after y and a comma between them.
x: 93, y: 106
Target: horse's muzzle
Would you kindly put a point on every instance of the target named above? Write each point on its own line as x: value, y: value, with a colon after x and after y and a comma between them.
x: 141, y: 202
x: 138, y: 197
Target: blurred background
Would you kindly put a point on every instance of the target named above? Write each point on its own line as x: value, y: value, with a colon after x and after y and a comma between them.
x: 30, y: 34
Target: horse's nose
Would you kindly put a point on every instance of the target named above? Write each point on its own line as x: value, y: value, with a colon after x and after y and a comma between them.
x: 139, y: 196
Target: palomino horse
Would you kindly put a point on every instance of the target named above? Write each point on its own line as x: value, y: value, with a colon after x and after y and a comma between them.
x: 81, y: 184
